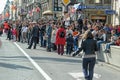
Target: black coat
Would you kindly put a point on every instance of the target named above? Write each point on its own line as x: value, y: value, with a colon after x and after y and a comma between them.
x: 89, y: 46
x: 69, y: 40
x: 35, y: 31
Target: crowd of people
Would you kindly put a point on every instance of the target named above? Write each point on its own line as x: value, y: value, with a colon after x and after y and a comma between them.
x: 55, y: 35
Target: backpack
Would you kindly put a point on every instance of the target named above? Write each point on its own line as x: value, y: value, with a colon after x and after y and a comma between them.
x: 62, y: 34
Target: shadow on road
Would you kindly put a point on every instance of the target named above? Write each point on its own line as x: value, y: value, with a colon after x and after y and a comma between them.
x: 13, y: 66
x: 46, y: 58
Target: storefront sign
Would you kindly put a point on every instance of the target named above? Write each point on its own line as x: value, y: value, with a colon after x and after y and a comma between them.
x: 93, y: 7
x: 110, y: 12
x: 98, y: 17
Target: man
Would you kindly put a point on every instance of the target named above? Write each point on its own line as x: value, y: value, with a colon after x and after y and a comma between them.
x: 35, y: 35
x: 49, y: 32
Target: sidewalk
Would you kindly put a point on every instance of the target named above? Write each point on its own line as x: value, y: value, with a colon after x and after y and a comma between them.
x: 108, y: 65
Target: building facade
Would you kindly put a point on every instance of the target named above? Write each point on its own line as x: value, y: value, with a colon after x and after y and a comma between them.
x: 95, y: 10
x: 116, y: 16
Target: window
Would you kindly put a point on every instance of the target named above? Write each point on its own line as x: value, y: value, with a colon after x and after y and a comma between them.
x: 107, y: 1
x: 91, y: 1
x: 98, y: 1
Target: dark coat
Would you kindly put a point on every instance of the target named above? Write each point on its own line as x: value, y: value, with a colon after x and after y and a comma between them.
x: 69, y: 40
x: 35, y: 31
x: 89, y: 46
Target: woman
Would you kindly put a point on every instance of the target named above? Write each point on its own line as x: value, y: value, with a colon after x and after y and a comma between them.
x: 60, y: 40
x: 89, y: 46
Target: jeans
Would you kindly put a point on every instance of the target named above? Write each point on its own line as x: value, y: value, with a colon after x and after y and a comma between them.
x: 49, y: 43
x: 108, y: 45
x: 88, y: 67
x: 41, y: 39
x: 99, y: 43
x: 69, y: 49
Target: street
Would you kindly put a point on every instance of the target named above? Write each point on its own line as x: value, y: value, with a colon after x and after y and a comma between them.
x: 19, y: 63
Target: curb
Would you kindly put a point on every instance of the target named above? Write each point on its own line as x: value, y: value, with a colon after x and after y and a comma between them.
x: 109, y: 65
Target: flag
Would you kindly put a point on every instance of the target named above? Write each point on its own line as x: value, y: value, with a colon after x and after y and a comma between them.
x: 7, y: 14
x: 72, y: 10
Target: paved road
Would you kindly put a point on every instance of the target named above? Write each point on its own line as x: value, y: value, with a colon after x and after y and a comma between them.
x: 19, y: 63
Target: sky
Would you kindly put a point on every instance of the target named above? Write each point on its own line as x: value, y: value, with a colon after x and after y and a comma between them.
x: 2, y: 5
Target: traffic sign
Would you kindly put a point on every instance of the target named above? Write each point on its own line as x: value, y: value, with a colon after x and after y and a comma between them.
x: 66, y: 2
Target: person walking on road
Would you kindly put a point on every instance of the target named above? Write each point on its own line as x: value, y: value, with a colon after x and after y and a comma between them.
x: 89, y: 46
x: 35, y: 35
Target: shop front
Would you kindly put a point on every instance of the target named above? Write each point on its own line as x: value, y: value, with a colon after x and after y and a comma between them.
x: 97, y: 13
x: 100, y: 18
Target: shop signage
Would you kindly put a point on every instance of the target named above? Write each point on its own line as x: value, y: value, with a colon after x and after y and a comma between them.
x: 93, y: 7
x: 110, y: 12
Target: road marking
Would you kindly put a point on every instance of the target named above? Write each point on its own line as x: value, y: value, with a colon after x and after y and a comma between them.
x: 80, y: 75
x: 34, y: 63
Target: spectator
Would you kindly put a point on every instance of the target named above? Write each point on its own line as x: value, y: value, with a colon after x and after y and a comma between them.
x: 35, y: 35
x: 60, y: 40
x: 69, y: 46
x: 101, y: 38
x: 14, y: 33
x: 95, y: 32
x: 112, y: 41
x: 117, y: 42
x: 75, y: 37
x: 118, y: 30
x: 49, y: 32
x: 53, y: 37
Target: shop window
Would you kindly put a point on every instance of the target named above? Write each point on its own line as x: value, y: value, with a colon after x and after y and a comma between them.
x: 98, y: 1
x: 91, y: 1
x: 107, y: 1
x: 73, y: 2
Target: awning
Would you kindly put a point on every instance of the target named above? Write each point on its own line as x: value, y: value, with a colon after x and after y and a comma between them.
x: 47, y: 12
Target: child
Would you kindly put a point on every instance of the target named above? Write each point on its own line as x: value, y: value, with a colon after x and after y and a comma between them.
x: 69, y: 46
x: 75, y: 36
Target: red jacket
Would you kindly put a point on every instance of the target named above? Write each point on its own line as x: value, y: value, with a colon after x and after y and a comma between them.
x: 60, y: 40
x: 6, y: 25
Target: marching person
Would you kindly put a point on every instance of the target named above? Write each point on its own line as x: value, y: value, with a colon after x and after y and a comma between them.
x: 89, y: 56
